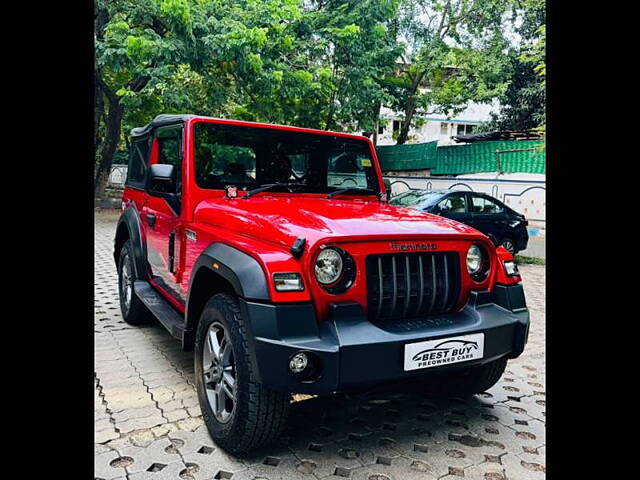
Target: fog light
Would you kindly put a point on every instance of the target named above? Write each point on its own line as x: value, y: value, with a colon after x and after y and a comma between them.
x: 298, y: 362
x: 511, y: 268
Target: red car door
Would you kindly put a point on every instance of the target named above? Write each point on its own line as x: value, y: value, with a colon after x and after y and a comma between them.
x: 161, y: 216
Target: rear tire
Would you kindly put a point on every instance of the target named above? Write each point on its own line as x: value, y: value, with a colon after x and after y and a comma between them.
x: 472, y: 380
x: 240, y: 413
x: 134, y: 312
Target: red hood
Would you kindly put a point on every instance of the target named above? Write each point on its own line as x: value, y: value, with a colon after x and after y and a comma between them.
x: 282, y: 219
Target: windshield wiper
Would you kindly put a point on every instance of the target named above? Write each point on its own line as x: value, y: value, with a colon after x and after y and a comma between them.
x: 265, y: 187
x: 348, y: 190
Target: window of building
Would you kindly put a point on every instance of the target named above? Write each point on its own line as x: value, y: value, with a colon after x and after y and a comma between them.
x: 380, y: 129
x: 444, y: 128
x: 397, y: 125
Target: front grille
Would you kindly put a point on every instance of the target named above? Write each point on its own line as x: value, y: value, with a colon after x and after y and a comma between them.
x: 412, y: 284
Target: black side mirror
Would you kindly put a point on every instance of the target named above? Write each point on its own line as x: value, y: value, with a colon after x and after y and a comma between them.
x: 162, y: 179
x: 387, y: 186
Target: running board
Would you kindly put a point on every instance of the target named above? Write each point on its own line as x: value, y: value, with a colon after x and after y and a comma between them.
x: 161, y: 309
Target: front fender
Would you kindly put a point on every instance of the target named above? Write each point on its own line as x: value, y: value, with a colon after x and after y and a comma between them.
x: 221, y: 262
x: 130, y: 220
x: 242, y: 271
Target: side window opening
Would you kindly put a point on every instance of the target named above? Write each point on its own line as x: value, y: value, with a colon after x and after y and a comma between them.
x: 484, y: 205
x: 170, y: 151
x: 453, y: 204
x: 138, y: 162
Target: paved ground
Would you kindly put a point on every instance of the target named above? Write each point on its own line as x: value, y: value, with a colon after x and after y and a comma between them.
x: 148, y: 423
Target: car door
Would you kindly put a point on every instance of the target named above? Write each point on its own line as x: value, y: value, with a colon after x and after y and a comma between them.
x: 453, y: 206
x: 488, y: 216
x: 161, y: 215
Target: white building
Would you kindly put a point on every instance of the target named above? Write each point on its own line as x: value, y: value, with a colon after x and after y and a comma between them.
x: 435, y: 127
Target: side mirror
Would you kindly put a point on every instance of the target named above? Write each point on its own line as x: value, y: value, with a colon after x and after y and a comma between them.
x: 162, y: 179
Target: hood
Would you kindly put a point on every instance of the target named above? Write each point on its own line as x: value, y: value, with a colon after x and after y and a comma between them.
x: 282, y: 219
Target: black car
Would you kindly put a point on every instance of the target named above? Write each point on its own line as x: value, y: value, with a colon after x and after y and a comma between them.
x: 500, y: 223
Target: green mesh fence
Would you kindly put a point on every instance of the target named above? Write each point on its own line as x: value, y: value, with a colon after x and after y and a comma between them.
x: 526, y: 156
x: 506, y: 156
x: 416, y: 156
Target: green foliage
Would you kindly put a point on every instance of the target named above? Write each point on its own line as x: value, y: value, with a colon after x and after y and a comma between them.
x: 524, y: 101
x: 524, y: 260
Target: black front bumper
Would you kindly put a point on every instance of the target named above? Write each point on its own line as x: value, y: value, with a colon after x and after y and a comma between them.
x: 355, y: 353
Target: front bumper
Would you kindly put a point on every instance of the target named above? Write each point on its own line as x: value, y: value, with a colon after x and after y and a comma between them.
x: 355, y: 353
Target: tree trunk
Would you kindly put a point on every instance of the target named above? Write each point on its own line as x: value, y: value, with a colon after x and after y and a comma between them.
x: 376, y: 124
x: 409, y: 109
x: 113, y: 125
x: 98, y: 119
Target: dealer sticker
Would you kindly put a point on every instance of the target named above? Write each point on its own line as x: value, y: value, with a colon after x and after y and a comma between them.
x: 444, y: 351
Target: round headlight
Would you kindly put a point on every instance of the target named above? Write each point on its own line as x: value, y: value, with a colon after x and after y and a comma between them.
x: 328, y: 266
x: 474, y: 259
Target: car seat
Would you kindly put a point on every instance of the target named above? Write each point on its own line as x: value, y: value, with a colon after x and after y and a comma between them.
x: 457, y: 205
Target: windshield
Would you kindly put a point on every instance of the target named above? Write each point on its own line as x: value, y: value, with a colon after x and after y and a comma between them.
x: 414, y: 198
x: 248, y: 157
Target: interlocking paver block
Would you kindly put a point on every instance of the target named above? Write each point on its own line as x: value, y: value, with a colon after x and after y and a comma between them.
x: 171, y: 471
x: 327, y: 457
x: 191, y: 442
x: 145, y: 457
x: 102, y: 466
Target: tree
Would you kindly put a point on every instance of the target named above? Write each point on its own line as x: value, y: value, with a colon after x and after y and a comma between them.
x: 354, y: 42
x: 454, y: 53
x: 524, y: 101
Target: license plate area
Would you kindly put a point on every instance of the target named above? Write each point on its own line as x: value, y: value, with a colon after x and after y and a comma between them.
x: 443, y: 351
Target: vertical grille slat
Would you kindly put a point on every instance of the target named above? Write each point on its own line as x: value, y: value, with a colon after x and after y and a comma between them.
x: 381, y: 284
x: 394, y: 279
x: 434, y: 283
x: 423, y: 283
x: 407, y: 297
x: 446, y: 284
x: 421, y: 292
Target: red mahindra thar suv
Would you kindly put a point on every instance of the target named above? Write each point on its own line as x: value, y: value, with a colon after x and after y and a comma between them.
x: 272, y: 252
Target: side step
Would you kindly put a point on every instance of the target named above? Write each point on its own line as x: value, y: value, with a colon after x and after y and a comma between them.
x: 163, y: 311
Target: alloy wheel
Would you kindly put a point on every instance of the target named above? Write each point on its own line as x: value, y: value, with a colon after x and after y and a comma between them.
x: 219, y: 372
x: 126, y: 283
x: 508, y: 244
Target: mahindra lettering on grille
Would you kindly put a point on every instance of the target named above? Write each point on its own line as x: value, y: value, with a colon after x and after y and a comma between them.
x: 412, y: 247
x: 413, y: 284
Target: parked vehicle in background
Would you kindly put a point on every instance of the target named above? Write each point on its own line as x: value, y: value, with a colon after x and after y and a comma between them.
x: 503, y: 225
x: 273, y: 253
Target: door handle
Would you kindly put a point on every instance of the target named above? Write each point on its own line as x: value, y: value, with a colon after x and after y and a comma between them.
x: 151, y: 219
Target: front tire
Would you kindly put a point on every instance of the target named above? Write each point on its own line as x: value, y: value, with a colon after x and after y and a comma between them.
x: 240, y: 413
x: 134, y: 312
